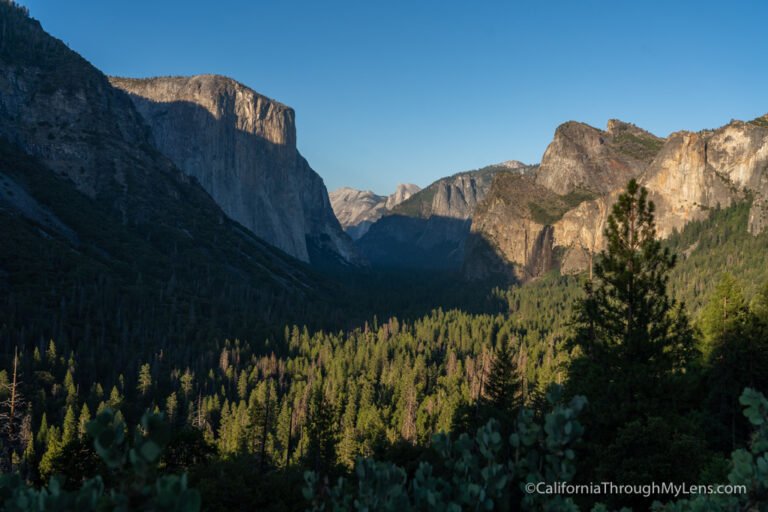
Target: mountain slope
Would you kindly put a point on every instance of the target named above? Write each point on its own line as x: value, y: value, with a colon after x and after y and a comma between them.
x: 695, y: 172
x: 241, y: 147
x: 687, y: 175
x: 514, y: 228
x: 117, y: 243
x: 358, y: 209
x: 581, y: 157
x: 429, y: 229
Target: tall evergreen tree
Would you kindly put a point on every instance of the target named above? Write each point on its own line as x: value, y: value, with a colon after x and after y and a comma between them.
x: 502, y: 391
x: 145, y: 379
x: 82, y: 422
x: 736, y: 338
x: 633, y: 352
x: 69, y: 432
x: 321, y: 432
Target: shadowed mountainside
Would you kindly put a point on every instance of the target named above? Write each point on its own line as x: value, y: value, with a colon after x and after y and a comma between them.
x: 105, y: 239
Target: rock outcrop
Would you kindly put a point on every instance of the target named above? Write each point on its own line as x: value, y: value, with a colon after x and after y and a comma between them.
x: 581, y: 157
x: 241, y: 147
x: 523, y: 229
x: 429, y: 230
x: 517, y: 228
x: 695, y: 172
x: 357, y: 210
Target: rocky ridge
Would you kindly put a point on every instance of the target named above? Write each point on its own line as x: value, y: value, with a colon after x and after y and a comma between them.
x: 429, y: 230
x: 586, y: 158
x: 357, y: 210
x: 521, y: 232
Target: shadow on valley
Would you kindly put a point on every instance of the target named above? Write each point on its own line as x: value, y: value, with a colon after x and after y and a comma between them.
x: 417, y: 265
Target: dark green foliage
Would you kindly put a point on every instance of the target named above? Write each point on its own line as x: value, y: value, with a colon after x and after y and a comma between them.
x: 736, y: 341
x: 634, y: 355
x: 321, y: 433
x: 502, y: 391
x: 549, y: 212
x: 138, y: 285
x: 238, y: 484
x: 719, y: 243
x: 77, y: 462
x: 748, y: 468
x: 476, y: 474
x: 484, y: 472
x: 638, y: 147
x: 132, y: 469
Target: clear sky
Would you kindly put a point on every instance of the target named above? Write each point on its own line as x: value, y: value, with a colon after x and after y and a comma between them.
x: 388, y: 91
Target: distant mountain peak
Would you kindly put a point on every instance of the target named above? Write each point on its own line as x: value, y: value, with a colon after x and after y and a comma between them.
x: 357, y: 210
x: 512, y: 164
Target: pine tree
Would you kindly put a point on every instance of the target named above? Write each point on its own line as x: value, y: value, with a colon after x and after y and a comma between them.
x: 42, y: 433
x: 502, y: 389
x: 172, y: 407
x: 11, y: 417
x: 736, y: 340
x: 50, y: 354
x: 284, y: 433
x: 725, y: 308
x: 634, y: 353
x: 187, y: 379
x: 69, y: 433
x: 321, y: 432
x: 115, y: 399
x: 82, y: 422
x: 257, y: 416
x: 759, y: 304
x: 145, y: 379
x: 53, y: 450
x: 71, y: 389
x: 242, y: 385
x: 348, y: 443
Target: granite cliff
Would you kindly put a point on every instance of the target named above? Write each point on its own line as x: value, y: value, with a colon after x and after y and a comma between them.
x: 127, y: 246
x: 695, y: 172
x: 526, y: 227
x: 241, y: 147
x: 357, y: 210
x: 583, y: 157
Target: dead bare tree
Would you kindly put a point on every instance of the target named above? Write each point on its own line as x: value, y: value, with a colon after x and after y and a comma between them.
x: 11, y: 418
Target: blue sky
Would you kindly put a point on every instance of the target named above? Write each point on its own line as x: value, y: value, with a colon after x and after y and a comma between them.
x: 391, y: 92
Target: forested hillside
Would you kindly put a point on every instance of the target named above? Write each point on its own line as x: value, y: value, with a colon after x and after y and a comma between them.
x: 320, y: 399
x: 155, y: 354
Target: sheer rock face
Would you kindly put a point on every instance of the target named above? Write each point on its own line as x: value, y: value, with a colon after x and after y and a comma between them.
x: 458, y: 198
x: 584, y: 158
x: 241, y: 147
x: 523, y: 230
x: 698, y: 171
x: 505, y: 229
x: 686, y: 176
x: 357, y: 210
x: 59, y: 115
